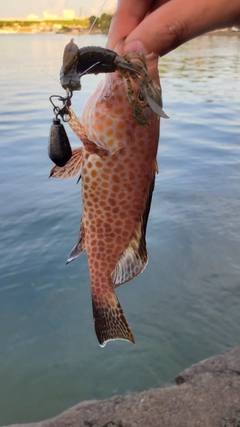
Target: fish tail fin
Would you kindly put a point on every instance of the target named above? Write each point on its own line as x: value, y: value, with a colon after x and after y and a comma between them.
x: 109, y: 320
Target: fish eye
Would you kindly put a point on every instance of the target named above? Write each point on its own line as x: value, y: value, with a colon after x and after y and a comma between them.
x: 141, y: 97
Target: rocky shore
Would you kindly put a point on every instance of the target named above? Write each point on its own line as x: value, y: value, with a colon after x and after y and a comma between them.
x: 206, y: 395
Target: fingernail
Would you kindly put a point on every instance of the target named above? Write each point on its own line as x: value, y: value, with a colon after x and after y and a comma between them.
x: 135, y: 45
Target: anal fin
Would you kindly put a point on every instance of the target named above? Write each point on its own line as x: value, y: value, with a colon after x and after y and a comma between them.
x: 134, y: 259
x: 79, y: 247
x: 109, y: 321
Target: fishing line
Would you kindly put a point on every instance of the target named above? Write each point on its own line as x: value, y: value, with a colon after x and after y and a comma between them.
x: 94, y: 22
x: 83, y: 41
x: 49, y: 75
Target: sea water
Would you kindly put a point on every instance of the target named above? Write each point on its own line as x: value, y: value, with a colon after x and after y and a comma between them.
x: 186, y: 304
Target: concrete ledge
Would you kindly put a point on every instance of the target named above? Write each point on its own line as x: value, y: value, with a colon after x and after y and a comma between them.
x: 207, y: 395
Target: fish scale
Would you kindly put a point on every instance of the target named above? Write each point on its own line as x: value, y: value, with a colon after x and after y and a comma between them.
x: 118, y: 167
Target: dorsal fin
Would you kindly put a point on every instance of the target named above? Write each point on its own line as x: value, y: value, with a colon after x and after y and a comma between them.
x: 79, y: 247
x: 71, y: 168
x: 134, y: 259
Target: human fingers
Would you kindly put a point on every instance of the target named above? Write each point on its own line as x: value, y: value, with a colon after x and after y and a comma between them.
x: 128, y: 15
x: 178, y: 21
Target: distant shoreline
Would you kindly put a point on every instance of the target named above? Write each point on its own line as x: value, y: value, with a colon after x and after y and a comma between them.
x: 72, y: 26
x: 70, y: 32
x: 79, y: 31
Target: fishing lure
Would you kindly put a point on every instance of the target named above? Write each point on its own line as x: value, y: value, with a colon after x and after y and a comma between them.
x: 93, y: 60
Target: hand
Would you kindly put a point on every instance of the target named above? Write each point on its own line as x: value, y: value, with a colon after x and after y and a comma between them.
x: 162, y: 25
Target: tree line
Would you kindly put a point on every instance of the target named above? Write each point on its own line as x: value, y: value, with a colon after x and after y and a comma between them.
x: 102, y: 22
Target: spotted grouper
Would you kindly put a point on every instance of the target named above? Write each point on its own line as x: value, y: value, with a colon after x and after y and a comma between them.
x: 120, y: 132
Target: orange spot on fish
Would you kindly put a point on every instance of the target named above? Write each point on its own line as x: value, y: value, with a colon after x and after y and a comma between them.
x: 115, y: 210
x: 109, y: 132
x: 110, y: 142
x: 118, y: 135
x: 107, y: 170
x: 129, y: 187
x: 118, y: 111
x: 98, y: 164
x: 110, y: 164
x: 105, y: 184
x: 120, y: 98
x: 93, y: 173
x: 131, y: 175
x: 120, y: 145
x: 94, y: 185
x: 112, y: 201
x: 115, y: 188
x: 118, y: 230
x: 120, y: 125
x: 104, y: 176
x: 92, y: 227
x: 109, y: 122
x: 115, y: 178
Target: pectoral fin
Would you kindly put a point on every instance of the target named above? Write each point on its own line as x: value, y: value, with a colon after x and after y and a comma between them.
x: 71, y: 168
x: 90, y: 146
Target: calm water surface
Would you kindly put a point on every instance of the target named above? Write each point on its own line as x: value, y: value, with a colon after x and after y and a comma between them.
x: 186, y: 304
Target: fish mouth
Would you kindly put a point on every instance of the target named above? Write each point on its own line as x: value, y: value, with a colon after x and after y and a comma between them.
x: 112, y: 83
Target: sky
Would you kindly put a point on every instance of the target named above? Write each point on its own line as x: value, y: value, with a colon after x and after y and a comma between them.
x: 22, y: 8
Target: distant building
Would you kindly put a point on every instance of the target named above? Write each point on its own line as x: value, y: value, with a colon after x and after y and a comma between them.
x: 68, y: 14
x: 32, y: 17
x: 48, y: 17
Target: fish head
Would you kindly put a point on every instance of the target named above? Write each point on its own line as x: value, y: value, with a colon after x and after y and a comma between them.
x: 119, y: 105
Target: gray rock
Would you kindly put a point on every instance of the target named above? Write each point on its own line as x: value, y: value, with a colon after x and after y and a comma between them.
x: 227, y: 363
x: 208, y: 397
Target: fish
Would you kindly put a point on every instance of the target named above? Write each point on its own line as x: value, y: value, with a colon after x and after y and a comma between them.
x: 117, y: 164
